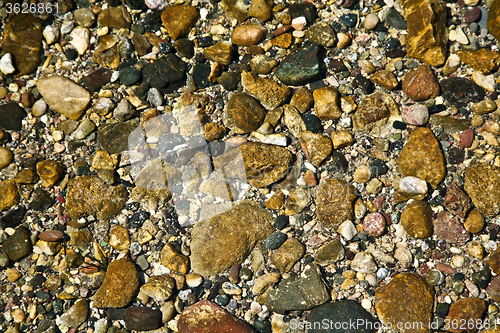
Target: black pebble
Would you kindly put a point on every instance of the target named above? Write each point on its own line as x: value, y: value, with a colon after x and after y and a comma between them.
x: 312, y: 123
x: 201, y: 72
x: 363, y: 83
x: 398, y: 125
x: 281, y: 222
x: 71, y: 54
x: 349, y: 20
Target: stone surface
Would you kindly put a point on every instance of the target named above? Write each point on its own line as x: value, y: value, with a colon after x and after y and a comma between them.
x: 421, y: 84
x: 483, y: 60
x: 120, y: 285
x: 426, y: 30
x: 300, y: 292
x: 322, y: 34
x: 422, y: 157
x: 119, y: 238
x: 221, y: 52
x: 173, y: 260
x: 76, y: 314
x: 11, y: 116
x: 265, y: 164
x: 50, y: 171
x: 480, y: 180
x: 64, y: 96
x: 164, y: 72
x: 268, y: 92
x: 374, y: 224
x: 228, y: 238
x: 262, y: 64
x: 385, y: 79
x: 114, y: 17
x: 459, y: 91
x: 334, y: 202
x: 416, y: 114
x: 88, y: 195
x: 142, y: 318
x: 206, y: 316
x: 416, y: 219
x: 326, y: 103
x: 375, y: 114
x: 159, y: 288
x: 18, y: 245
x: 407, y: 298
x: 302, y: 99
x: 299, y: 67
x: 474, y: 222
x: 243, y: 113
x: 22, y: 37
x: 6, y: 157
x: 329, y: 253
x: 288, y: 254
x: 298, y: 200
x: 9, y: 194
x: 316, y: 147
x: 456, y: 201
x: 364, y: 262
x: 450, y: 229
x: 179, y: 19
x: 114, y: 137
x: 248, y: 34
x: 493, y: 22
x: 344, y: 311
x: 293, y: 120
x: 466, y: 310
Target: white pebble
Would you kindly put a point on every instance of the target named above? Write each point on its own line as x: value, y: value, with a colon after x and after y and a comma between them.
x: 347, y: 230
x: 484, y: 81
x: 6, y: 64
x: 81, y: 39
x: 413, y: 185
x: 51, y: 34
x: 366, y: 304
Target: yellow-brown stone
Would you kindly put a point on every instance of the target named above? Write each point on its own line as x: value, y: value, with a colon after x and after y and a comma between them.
x: 385, y: 79
x: 483, y: 60
x: 174, y: 260
x: 179, y: 19
x: 50, y: 171
x: 334, y: 202
x: 466, y: 310
x: 120, y: 285
x: 9, y: 195
x: 493, y: 22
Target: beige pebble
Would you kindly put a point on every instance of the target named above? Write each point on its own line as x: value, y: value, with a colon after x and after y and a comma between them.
x: 58, y: 135
x: 6, y: 157
x: 476, y: 250
x: 18, y: 315
x: 193, y: 280
x: 343, y: 40
x: 477, y: 121
x: 362, y: 174
x: 3, y: 92
x: 458, y: 261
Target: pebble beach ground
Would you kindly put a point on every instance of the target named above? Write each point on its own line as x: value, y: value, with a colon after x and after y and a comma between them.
x: 249, y: 166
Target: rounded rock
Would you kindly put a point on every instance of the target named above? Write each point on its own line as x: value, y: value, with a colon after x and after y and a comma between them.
x: 416, y: 114
x: 374, y: 224
x: 6, y: 157
x: 362, y: 174
x: 474, y: 222
x: 370, y: 22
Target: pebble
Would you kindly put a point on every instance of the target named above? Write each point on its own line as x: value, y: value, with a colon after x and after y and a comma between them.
x: 416, y: 219
x: 248, y: 34
x: 329, y: 253
x: 271, y: 94
x: 84, y: 17
x: 326, y: 103
x: 421, y: 84
x: 362, y: 174
x: 76, y: 314
x: 374, y: 224
x: 416, y: 114
x: 449, y: 228
x: 51, y: 34
x: 6, y: 157
x: 460, y: 91
x: 370, y: 21
x: 114, y: 17
x: 322, y: 34
x: 474, y: 222
x: 120, y: 285
x: 484, y: 197
x: 142, y: 318
x: 466, y: 309
x: 363, y: 262
x: 299, y: 67
x: 80, y: 39
x: 344, y: 311
x: 83, y: 130
x: 6, y: 64
x: 484, y: 81
x: 316, y: 147
x: 173, y: 260
x: 243, y: 113
x: 413, y: 185
x: 334, y: 202
x: 385, y: 79
x: 288, y: 254
x: 193, y: 280
x: 484, y: 107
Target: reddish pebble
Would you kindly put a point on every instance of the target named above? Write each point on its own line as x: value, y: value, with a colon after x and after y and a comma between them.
x: 51, y: 235
x: 466, y: 138
x: 473, y: 16
x: 310, y: 178
x: 374, y: 224
x: 27, y: 100
x: 282, y: 30
x: 60, y: 199
x: 446, y: 269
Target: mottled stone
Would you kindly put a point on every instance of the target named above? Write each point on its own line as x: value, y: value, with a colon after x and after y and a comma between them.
x: 375, y: 114
x: 407, y: 299
x: 76, y: 314
x: 228, y: 238
x: 316, y: 147
x: 22, y: 38
x: 426, y: 22
x: 385, y: 79
x: 450, y: 229
x: 18, y: 245
x: 159, y: 288
x: 334, y: 202
x: 262, y: 64
x: 119, y: 238
x: 299, y: 67
x: 329, y: 253
x: 142, y: 318
x: 221, y: 52
x: 120, y: 285
x: 416, y: 219
x: 248, y: 34
x: 483, y: 60
x: 481, y: 185
x: 88, y: 195
x: 466, y: 310
x: 422, y: 157
x: 174, y: 260
x: 493, y: 22
x: 268, y: 92
x: 456, y: 201
x: 449, y: 124
x: 364, y: 262
x: 11, y: 117
x: 50, y: 171
x: 265, y: 164
x: 287, y: 255
x: 421, y: 84
x: 322, y: 34
x: 179, y: 19
x: 299, y: 292
x: 298, y: 200
x: 302, y: 99
x: 205, y: 317
x: 293, y: 120
x: 474, y: 222
x: 114, y: 17
x: 326, y: 103
x: 114, y: 137
x: 243, y: 114
x: 459, y: 91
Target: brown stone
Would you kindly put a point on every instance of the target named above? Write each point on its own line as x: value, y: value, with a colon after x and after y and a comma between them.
x: 406, y: 299
x: 221, y: 52
x: 302, y: 100
x: 375, y: 114
x: 22, y: 37
x: 466, y: 310
x: 120, y: 285
x: 474, y: 222
x: 483, y: 60
x: 493, y: 289
x: 265, y: 164
x: 449, y: 228
x: 206, y: 317
x: 214, y: 131
x: 385, y: 79
x: 416, y: 219
x: 426, y: 40
x: 316, y: 147
x: 493, y: 23
x: 268, y: 92
x: 276, y: 201
x: 174, y: 260
x: 334, y: 202
x: 422, y: 157
x: 179, y: 19
x: 287, y: 255
x: 50, y: 171
x: 248, y: 34
x: 326, y: 103
x: 114, y: 17
x: 421, y: 84
x: 9, y: 194
x: 261, y: 9
x: 243, y: 114
x: 481, y: 185
x: 282, y: 41
x: 456, y: 201
x: 228, y: 238
x: 119, y: 238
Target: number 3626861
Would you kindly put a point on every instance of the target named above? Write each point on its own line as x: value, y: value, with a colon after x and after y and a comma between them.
x: 33, y: 8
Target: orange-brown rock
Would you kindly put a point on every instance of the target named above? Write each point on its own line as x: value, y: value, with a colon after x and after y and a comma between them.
x: 421, y: 84
x: 483, y: 60
x: 493, y: 22
x: 466, y: 310
x: 334, y: 202
x: 385, y: 79
x: 179, y: 19
x: 120, y: 285
x: 248, y: 34
x: 243, y: 114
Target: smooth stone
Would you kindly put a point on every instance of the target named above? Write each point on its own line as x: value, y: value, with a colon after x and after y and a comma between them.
x: 271, y: 94
x: 287, y: 255
x: 426, y: 25
x: 395, y: 20
x: 326, y: 103
x: 449, y: 124
x: 493, y: 22
x: 13, y: 217
x: 370, y: 22
x: 80, y: 39
x: 422, y: 157
x: 469, y: 310
x: 206, y: 316
x: 165, y: 71
x: 344, y: 311
x: 221, y: 52
x: 486, y: 82
x: 88, y: 195
x: 142, y: 318
x: 262, y: 64
x: 299, y: 67
x: 484, y: 107
x: 416, y: 114
x: 11, y: 116
x: 9, y: 194
x: 114, y: 17
x: 64, y: 96
x: 300, y: 292
x: 313, y: 124
x: 329, y: 253
x: 227, y: 239
x: 6, y: 157
x: 334, y: 202
x: 50, y: 171
x: 119, y: 238
x: 374, y: 224
x: 6, y: 64
x: 413, y: 185
x: 120, y: 285
x: 83, y: 130
x: 421, y: 84
x: 130, y: 76
x: 316, y: 147
x: 416, y: 219
x: 103, y: 106
x: 229, y: 80
x: 451, y: 64
x: 474, y: 222
x: 248, y: 34
x: 22, y: 37
x: 459, y: 91
x: 478, y: 185
x: 179, y: 19
x: 364, y: 262
x: 96, y: 79
x: 114, y: 137
x: 41, y: 200
x: 84, y: 17
x: 293, y: 121
x: 385, y: 79
x: 76, y: 314
x: 18, y: 245
x: 243, y: 114
x: 302, y: 100
x: 322, y: 34
x: 141, y: 44
x: 305, y: 9
x: 407, y: 298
